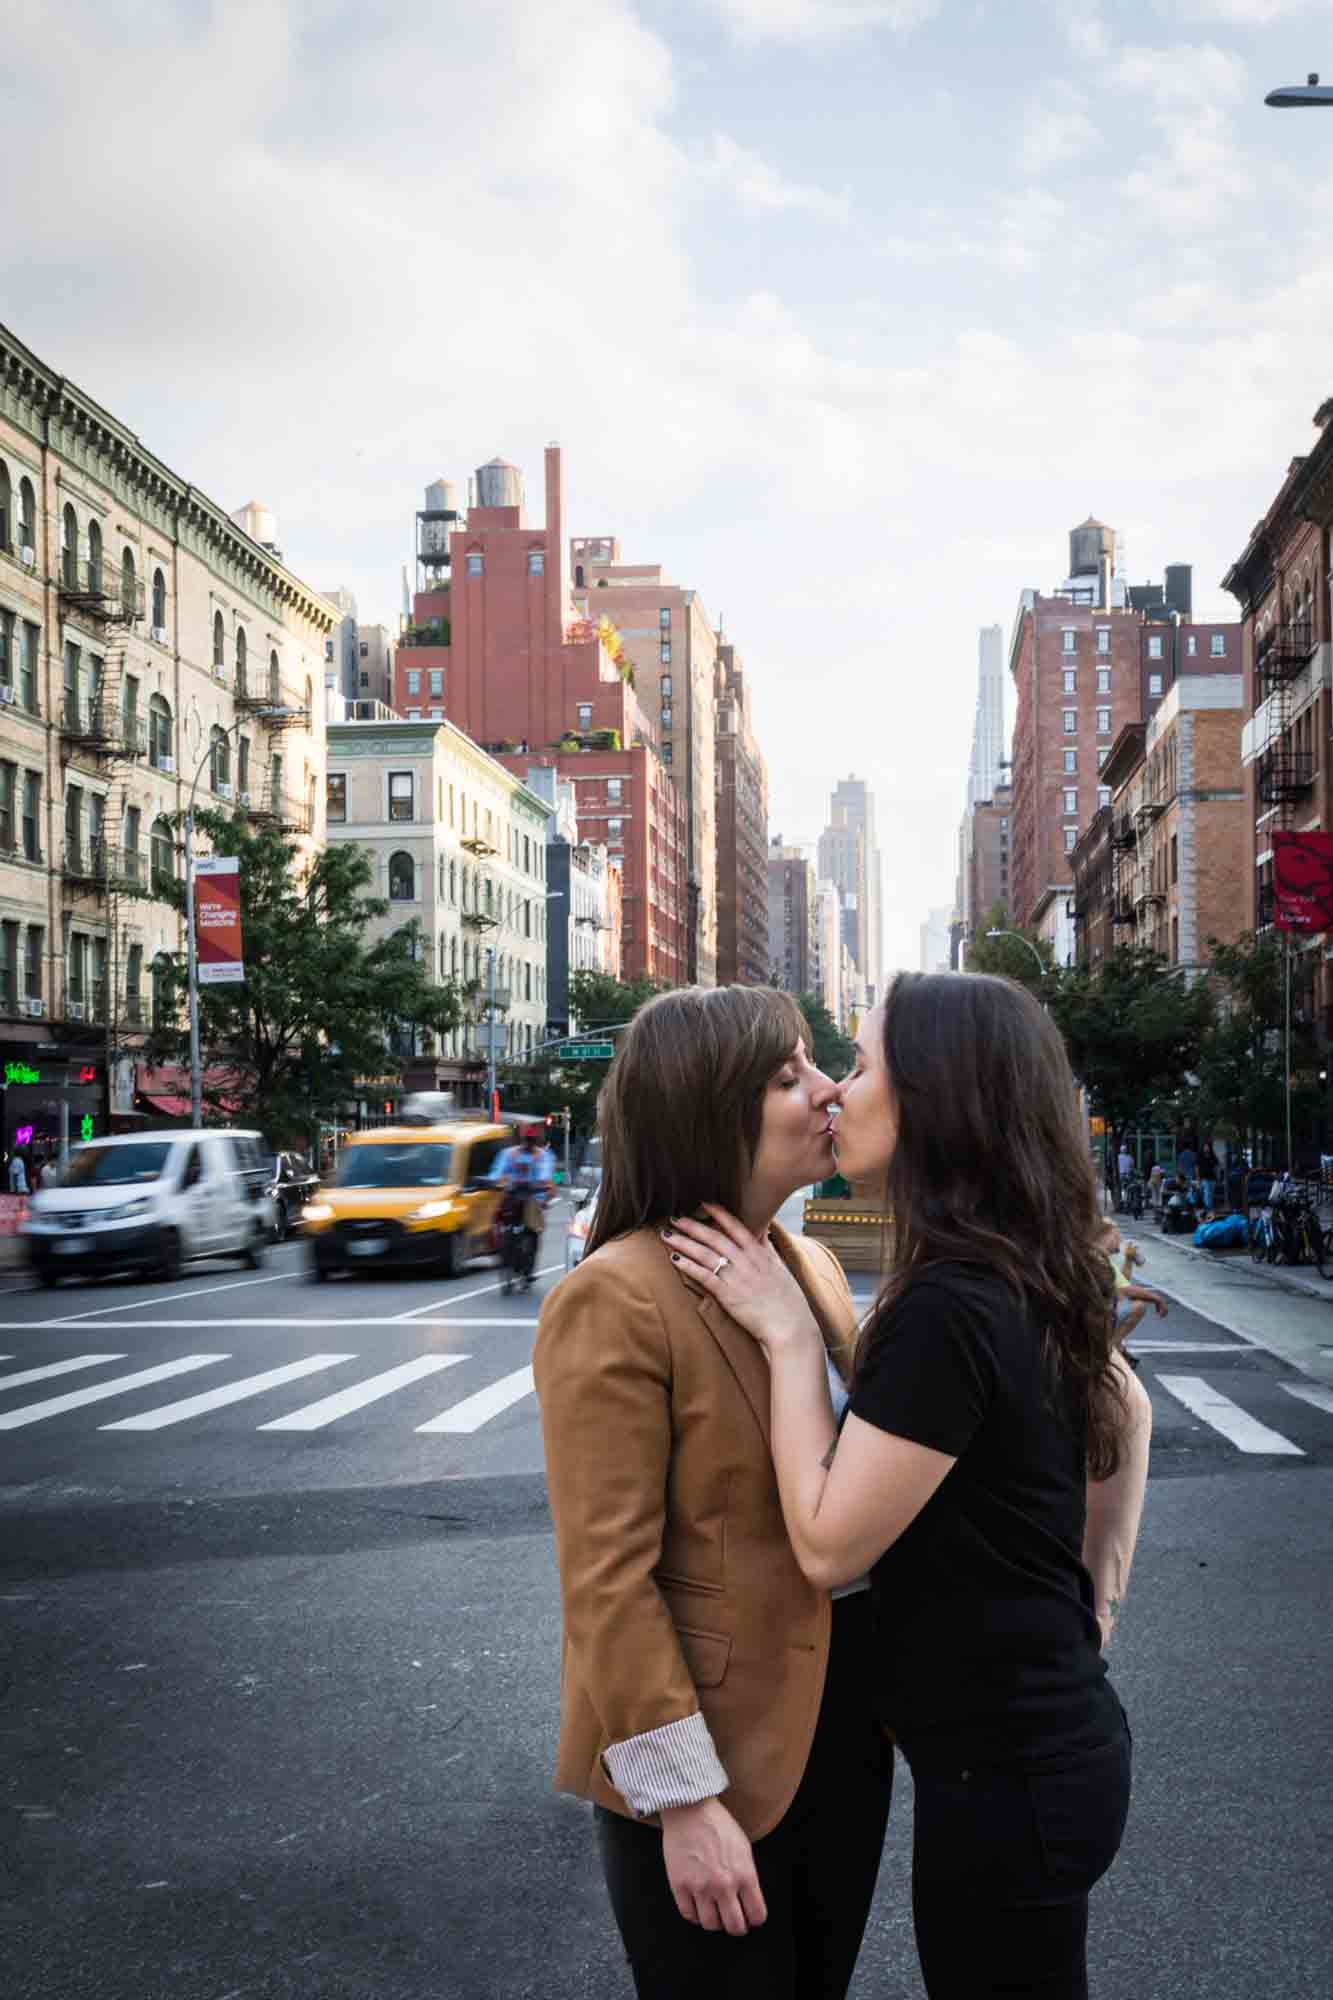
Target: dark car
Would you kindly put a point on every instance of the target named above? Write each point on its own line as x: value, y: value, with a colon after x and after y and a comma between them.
x: 291, y: 1183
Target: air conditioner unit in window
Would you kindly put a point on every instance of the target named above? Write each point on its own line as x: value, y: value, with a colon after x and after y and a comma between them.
x: 28, y: 557
x: 36, y: 1008
x: 242, y: 798
x: 160, y: 634
x: 6, y: 692
x: 167, y: 765
x: 75, y: 1010
x: 223, y: 790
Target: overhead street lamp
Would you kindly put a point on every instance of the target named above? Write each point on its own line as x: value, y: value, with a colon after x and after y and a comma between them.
x: 1307, y: 96
x: 1042, y: 966
x: 552, y: 896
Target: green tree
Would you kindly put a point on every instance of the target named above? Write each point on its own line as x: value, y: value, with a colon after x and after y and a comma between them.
x: 320, y: 1007
x: 596, y: 1000
x: 1134, y: 1028
x: 549, y: 1081
x: 1010, y: 956
x: 1241, y: 1090
x: 833, y: 1052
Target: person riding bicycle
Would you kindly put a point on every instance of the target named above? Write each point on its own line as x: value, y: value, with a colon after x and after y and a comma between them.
x: 526, y: 1172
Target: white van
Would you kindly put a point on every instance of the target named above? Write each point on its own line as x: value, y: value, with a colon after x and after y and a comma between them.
x: 149, y: 1201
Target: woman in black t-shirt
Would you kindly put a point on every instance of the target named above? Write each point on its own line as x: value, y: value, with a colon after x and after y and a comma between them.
x: 990, y: 1473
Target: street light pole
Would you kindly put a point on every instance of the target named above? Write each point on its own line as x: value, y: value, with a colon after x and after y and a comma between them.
x: 1042, y: 966
x: 196, y: 1075
x: 1307, y: 96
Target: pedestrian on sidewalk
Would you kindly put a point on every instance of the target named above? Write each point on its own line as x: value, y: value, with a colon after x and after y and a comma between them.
x: 18, y: 1173
x: 990, y: 1473
x: 1209, y: 1175
x: 1156, y: 1180
x: 716, y: 1703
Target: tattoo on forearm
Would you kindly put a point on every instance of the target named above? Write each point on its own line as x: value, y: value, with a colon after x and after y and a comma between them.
x: 1113, y: 1608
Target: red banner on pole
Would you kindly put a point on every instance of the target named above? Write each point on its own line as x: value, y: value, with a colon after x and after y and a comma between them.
x: 1303, y: 882
x: 217, y: 904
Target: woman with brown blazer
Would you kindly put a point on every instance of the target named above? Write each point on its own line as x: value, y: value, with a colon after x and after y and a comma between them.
x: 715, y: 1704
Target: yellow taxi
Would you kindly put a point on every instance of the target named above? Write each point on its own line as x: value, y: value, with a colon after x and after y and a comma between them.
x: 407, y: 1197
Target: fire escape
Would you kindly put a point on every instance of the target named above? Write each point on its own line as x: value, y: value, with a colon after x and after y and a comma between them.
x: 1282, y: 774
x: 100, y: 726
x: 1124, y: 844
x: 270, y: 803
x: 481, y: 919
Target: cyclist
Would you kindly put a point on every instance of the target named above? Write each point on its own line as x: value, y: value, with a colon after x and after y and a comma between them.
x: 526, y: 1172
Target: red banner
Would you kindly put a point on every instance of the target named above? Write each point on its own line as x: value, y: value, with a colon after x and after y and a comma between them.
x: 217, y: 920
x: 1303, y: 882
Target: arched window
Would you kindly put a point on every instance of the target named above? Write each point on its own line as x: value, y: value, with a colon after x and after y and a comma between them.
x: 69, y: 548
x: 128, y: 588
x: 159, y: 602
x: 163, y: 855
x: 219, y: 642
x: 444, y: 956
x: 578, y: 576
x: 160, y: 741
x: 161, y: 967
x: 94, y: 556
x: 274, y: 681
x: 6, y: 505
x: 402, y: 878
x: 219, y: 760
x: 309, y: 696
x: 27, y: 519
x: 240, y: 659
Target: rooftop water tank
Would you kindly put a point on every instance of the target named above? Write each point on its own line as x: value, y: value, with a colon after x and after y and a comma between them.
x: 258, y: 523
x: 499, y: 484
x: 1087, y: 545
x: 1180, y: 588
x: 441, y: 497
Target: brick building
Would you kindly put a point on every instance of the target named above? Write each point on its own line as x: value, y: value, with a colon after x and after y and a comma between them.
x: 742, y: 833
x: 986, y: 858
x: 498, y: 644
x: 793, y: 939
x: 1087, y: 660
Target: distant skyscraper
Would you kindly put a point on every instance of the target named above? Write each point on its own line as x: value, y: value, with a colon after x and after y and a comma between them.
x: 984, y: 771
x: 937, y: 942
x: 849, y: 856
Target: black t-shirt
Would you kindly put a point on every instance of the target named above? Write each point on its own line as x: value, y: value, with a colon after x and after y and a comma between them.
x: 989, y: 1644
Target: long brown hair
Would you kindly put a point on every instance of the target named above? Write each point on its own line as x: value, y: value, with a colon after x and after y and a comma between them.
x: 991, y: 1167
x: 680, y: 1112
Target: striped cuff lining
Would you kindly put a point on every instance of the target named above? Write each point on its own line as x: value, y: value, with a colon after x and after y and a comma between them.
x: 675, y: 1765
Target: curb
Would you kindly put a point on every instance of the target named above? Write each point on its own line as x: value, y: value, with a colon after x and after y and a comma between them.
x: 1282, y: 1280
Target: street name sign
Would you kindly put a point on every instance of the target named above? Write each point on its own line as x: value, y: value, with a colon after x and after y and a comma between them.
x: 588, y: 1051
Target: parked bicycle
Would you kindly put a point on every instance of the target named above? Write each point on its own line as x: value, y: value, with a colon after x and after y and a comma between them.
x: 1288, y: 1230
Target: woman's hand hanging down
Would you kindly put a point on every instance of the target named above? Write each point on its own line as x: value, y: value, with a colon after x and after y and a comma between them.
x: 745, y: 1274
x: 710, y: 1866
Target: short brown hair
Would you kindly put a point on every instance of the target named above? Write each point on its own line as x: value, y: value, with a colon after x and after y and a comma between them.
x: 680, y: 1112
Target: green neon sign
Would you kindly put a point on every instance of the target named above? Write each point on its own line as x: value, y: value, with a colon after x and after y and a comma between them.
x: 86, y: 1125
x: 21, y: 1072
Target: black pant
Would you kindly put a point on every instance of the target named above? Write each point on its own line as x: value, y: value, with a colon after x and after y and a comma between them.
x: 1002, y: 1863
x: 817, y: 1868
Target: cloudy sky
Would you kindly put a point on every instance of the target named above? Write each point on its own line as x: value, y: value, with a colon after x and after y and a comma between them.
x: 844, y: 310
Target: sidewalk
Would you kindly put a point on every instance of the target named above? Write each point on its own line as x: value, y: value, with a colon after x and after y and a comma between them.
x: 1288, y: 1312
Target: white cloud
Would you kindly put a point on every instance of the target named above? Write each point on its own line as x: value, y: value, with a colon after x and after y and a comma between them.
x: 1056, y: 132
x: 1234, y: 13
x: 819, y: 20
x: 756, y: 185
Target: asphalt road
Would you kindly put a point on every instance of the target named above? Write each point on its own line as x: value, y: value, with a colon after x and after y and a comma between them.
x: 280, y: 1659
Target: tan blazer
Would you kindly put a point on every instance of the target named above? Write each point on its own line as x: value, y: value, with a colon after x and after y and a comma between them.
x: 690, y: 1633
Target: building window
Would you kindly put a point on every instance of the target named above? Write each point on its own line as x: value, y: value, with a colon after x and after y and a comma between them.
x: 274, y: 681
x: 159, y: 734
x: 1071, y: 722
x: 414, y: 715
x: 328, y: 649
x: 32, y: 803
x: 1103, y: 795
x: 1192, y: 644
x: 585, y: 715
x: 437, y: 680
x: 1071, y: 802
x: 1071, y: 680
x: 1103, y: 638
x: 1103, y: 721
x: 335, y: 797
x: 34, y: 954
x: 1071, y: 839
x: 162, y: 855
x: 400, y: 795
x: 128, y: 587
x: 414, y: 680
x: 28, y: 668
x: 1070, y: 641
x: 6, y: 506
x: 1103, y: 680
x: 1071, y: 762
x: 27, y: 520
x: 667, y: 754
x: 1217, y: 645
x: 1155, y: 646
x: 243, y: 769
x: 664, y: 618
x: 1102, y: 756
x: 219, y: 761
x: 1175, y: 860
x: 664, y: 687
x: 536, y: 562
x: 365, y: 649
x: 613, y: 790
x: 402, y: 878
x: 133, y: 823
x: 666, y: 715
x: 664, y: 652
x: 159, y: 602
x: 614, y: 831
x: 474, y: 562
x: 69, y: 548
x: 365, y: 680
x: 1154, y: 684
x: 437, y: 715
x: 94, y: 556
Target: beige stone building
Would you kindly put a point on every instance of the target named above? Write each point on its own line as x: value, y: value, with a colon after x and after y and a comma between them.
x: 146, y: 639
x: 459, y: 846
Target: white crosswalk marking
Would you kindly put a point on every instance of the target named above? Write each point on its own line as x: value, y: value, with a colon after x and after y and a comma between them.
x: 230, y: 1392
x: 44, y: 1374
x: 1311, y: 1392
x: 477, y: 1410
x: 315, y: 1415
x: 1235, y: 1424
x: 55, y: 1406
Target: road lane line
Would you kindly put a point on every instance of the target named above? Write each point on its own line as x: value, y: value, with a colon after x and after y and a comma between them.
x: 51, y: 1368
x: 477, y: 1410
x: 1137, y: 1346
x: 461, y: 1298
x: 33, y: 1413
x: 1309, y: 1392
x: 168, y: 1298
x: 197, y: 1326
x: 327, y: 1411
x: 231, y: 1392
x: 1235, y: 1424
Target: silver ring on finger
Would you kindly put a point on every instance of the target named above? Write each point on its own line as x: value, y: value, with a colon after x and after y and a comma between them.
x: 720, y: 1266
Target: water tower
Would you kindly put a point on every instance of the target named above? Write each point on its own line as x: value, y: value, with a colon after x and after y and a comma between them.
x: 435, y: 522
x: 499, y: 484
